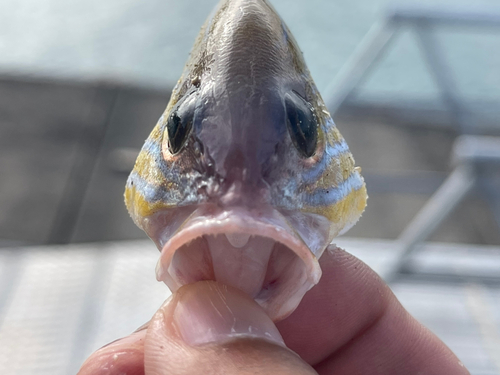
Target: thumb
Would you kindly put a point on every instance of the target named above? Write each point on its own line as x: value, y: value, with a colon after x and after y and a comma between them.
x: 210, y: 328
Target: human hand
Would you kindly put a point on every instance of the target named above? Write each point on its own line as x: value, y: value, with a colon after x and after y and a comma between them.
x: 350, y: 323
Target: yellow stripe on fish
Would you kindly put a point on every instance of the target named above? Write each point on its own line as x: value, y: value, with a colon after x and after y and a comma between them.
x: 344, y: 213
x: 139, y: 207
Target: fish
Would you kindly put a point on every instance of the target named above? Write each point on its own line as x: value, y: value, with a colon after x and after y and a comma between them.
x: 245, y: 179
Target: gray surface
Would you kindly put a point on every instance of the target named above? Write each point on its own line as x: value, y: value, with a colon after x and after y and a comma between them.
x: 390, y: 157
x: 103, y: 215
x: 148, y: 42
x: 56, y: 184
x: 38, y: 123
x: 66, y: 301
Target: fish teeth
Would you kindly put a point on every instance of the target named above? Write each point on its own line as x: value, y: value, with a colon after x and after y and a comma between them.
x: 238, y: 240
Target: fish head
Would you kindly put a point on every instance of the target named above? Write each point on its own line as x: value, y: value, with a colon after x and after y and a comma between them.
x: 245, y: 179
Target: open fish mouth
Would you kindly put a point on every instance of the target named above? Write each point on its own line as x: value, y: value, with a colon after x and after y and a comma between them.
x: 256, y: 251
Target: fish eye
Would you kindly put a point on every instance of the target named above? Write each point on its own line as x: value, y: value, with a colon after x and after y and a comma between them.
x: 179, y: 124
x: 301, y: 123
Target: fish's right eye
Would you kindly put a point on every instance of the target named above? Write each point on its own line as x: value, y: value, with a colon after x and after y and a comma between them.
x: 179, y: 124
x: 302, y: 124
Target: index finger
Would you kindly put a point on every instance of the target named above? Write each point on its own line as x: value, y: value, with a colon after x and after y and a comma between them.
x: 351, y: 321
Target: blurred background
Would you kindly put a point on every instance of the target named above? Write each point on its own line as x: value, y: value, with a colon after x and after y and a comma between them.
x: 414, y: 87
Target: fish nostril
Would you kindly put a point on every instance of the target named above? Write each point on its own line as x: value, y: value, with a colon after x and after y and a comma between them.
x: 238, y: 240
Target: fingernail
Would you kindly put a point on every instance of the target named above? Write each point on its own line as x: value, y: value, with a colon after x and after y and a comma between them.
x: 209, y: 312
x: 124, y: 341
x: 143, y: 327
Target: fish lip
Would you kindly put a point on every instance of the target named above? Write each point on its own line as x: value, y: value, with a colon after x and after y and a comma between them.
x: 267, y: 223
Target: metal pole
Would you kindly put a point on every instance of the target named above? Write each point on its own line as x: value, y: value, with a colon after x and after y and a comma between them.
x: 368, y: 52
x: 441, y: 73
x: 435, y: 210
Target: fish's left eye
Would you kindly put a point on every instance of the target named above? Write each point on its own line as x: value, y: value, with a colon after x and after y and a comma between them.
x: 179, y: 124
x: 302, y: 124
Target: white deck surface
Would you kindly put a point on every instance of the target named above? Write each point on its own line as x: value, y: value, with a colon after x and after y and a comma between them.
x: 58, y: 304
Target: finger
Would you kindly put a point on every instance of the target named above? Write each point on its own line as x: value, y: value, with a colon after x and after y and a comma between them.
x: 352, y: 323
x: 347, y: 300
x: 209, y: 328
x: 395, y: 344
x: 123, y: 356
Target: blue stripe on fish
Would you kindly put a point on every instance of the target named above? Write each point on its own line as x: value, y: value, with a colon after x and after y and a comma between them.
x: 152, y: 147
x: 150, y: 192
x: 330, y: 153
x: 327, y: 197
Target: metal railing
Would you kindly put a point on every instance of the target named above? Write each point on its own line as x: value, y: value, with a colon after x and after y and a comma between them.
x: 471, y: 151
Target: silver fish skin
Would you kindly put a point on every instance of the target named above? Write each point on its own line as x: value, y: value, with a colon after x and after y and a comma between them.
x: 245, y: 179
